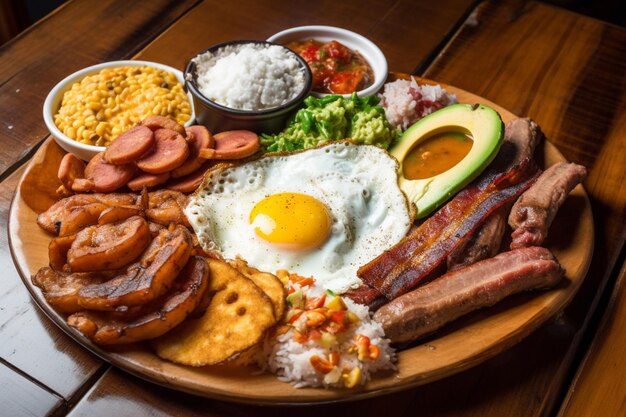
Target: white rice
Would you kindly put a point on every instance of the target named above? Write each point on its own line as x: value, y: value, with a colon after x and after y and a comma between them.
x: 405, y: 102
x: 249, y: 76
x: 290, y: 360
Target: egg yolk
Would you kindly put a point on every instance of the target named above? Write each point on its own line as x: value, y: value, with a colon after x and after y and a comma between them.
x: 291, y: 220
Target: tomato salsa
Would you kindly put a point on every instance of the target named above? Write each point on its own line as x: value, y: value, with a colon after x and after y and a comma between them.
x: 336, y: 68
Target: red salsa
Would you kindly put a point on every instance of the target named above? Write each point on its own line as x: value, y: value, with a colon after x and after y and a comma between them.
x: 336, y: 68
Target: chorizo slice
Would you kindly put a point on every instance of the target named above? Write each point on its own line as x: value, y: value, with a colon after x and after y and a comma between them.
x: 233, y: 144
x: 161, y: 122
x: 60, y: 289
x: 148, y: 279
x: 130, y: 146
x: 115, y: 214
x: 198, y: 138
x: 70, y: 168
x: 109, y: 246
x: 170, y: 152
x: 189, y: 183
x: 191, y: 286
x: 147, y: 180
x: 108, y: 177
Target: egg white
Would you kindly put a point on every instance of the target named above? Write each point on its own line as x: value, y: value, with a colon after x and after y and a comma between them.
x: 357, y: 183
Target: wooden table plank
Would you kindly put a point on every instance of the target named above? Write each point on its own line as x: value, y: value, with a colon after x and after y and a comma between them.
x: 407, y: 31
x: 23, y: 398
x: 110, y: 397
x: 30, y: 341
x: 600, y: 385
x: 79, y: 34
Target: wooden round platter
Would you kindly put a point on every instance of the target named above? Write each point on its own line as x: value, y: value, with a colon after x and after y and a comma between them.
x: 462, y: 344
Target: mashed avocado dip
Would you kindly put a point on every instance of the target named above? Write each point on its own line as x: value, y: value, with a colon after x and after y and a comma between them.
x: 330, y: 118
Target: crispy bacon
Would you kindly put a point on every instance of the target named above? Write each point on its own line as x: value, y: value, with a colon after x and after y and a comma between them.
x: 407, y: 264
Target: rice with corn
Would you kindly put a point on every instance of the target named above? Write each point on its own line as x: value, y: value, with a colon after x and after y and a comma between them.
x: 320, y: 355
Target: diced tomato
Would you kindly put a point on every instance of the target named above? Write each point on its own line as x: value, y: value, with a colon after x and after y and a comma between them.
x: 310, y: 54
x: 321, y: 365
x: 303, y: 281
x: 293, y: 315
x: 338, y: 317
x: 345, y: 82
x: 332, y: 65
x: 300, y: 337
x: 336, y: 50
x: 333, y: 327
x: 316, y: 302
x: 315, y: 334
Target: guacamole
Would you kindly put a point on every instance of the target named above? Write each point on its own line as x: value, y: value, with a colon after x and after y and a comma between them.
x: 330, y: 118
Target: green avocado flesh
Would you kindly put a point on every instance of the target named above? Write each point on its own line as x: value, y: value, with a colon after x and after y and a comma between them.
x: 482, y: 123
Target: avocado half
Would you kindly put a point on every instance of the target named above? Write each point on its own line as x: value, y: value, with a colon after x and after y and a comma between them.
x: 480, y: 122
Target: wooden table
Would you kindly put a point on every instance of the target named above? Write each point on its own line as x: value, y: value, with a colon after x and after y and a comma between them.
x: 564, y: 70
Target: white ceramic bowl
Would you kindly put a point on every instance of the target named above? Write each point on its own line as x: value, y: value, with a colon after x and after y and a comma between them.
x: 352, y: 40
x: 53, y: 102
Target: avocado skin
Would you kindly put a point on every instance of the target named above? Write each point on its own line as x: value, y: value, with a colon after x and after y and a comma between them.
x: 481, y: 122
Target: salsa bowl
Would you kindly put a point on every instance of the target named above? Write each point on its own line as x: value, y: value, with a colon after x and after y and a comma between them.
x: 357, y: 43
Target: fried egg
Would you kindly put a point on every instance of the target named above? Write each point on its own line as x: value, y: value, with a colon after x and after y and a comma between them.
x: 322, y: 212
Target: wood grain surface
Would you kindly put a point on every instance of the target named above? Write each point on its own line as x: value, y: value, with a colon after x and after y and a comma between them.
x: 21, y: 397
x: 562, y: 69
x: 30, y: 341
x: 600, y: 383
x: 407, y: 31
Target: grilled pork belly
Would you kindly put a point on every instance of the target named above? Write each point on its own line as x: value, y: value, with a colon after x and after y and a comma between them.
x: 456, y: 293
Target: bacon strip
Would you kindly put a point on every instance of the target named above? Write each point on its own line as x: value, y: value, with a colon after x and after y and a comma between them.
x: 411, y: 261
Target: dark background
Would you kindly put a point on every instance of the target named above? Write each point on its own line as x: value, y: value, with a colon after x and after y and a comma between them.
x: 17, y: 15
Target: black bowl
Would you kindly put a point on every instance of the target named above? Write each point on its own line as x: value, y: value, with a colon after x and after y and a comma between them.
x: 219, y: 118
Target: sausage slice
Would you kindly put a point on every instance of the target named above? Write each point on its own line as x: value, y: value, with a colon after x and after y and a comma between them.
x: 70, y: 169
x: 147, y: 180
x: 233, y: 144
x: 189, y: 183
x: 198, y: 138
x: 130, y: 146
x: 108, y: 177
x: 161, y: 122
x: 170, y: 152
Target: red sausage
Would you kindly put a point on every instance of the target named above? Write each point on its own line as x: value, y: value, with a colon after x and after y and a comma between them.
x: 147, y: 180
x: 189, y: 183
x: 161, y: 122
x: 233, y: 144
x: 70, y: 169
x: 198, y: 138
x: 170, y: 152
x: 107, y: 177
x: 130, y: 146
